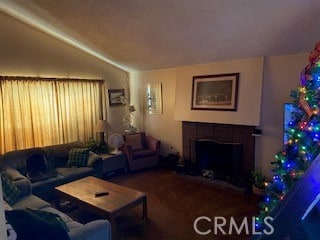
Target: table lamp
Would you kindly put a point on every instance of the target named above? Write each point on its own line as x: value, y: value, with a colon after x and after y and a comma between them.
x: 103, y: 127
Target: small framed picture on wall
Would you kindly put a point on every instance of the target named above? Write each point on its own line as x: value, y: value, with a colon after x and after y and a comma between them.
x: 153, y: 98
x: 116, y: 97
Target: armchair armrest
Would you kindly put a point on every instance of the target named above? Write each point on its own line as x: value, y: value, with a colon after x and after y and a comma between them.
x: 127, y: 149
x: 153, y: 143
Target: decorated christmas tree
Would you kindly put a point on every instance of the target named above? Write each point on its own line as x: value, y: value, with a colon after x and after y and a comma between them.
x: 303, y: 134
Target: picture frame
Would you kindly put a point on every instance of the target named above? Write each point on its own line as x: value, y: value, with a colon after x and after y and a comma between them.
x: 215, y: 92
x: 116, y: 97
x: 153, y: 98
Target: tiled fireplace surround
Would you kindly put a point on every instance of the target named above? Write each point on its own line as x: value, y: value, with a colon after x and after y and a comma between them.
x: 192, y: 131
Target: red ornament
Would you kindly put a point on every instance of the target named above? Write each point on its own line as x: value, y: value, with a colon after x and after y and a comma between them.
x: 305, y: 106
x: 313, y: 57
x: 317, y: 46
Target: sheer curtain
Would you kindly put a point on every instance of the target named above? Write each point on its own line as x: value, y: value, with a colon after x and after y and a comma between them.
x: 39, y: 112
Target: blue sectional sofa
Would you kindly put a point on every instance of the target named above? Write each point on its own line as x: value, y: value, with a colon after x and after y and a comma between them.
x: 56, y: 160
x: 35, y: 194
x: 94, y: 230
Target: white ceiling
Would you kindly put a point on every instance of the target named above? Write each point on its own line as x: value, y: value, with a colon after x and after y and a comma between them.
x: 142, y: 35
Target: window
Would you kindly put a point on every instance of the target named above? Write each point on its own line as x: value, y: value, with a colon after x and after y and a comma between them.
x: 39, y: 112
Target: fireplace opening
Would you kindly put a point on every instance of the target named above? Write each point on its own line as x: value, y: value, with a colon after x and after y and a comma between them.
x: 223, y: 160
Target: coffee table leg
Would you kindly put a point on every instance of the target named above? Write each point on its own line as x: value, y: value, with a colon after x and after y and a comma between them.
x: 144, y: 208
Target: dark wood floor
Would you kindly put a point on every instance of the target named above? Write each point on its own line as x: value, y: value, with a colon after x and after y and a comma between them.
x: 174, y: 202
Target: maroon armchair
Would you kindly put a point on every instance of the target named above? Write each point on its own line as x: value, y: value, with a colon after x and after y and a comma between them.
x: 142, y: 151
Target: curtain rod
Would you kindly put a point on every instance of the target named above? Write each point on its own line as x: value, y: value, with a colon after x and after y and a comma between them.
x: 49, y: 79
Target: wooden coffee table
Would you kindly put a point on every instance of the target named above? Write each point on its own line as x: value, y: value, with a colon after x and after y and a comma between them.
x: 119, y: 199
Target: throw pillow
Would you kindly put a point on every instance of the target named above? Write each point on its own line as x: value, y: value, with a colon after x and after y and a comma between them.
x: 78, y: 157
x: 92, y: 158
x: 36, y: 164
x: 29, y: 226
x: 135, y: 141
x: 50, y: 217
x: 6, y: 206
x: 10, y: 191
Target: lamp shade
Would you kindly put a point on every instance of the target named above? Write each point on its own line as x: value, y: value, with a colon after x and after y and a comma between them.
x: 102, y: 126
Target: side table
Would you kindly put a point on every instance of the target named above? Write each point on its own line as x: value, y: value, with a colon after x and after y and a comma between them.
x: 170, y: 162
x: 112, y: 162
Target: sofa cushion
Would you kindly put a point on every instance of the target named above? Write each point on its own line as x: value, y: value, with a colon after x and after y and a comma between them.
x: 44, y: 187
x: 134, y: 140
x: 50, y: 217
x: 143, y: 153
x: 10, y: 191
x: 75, y: 173
x: 57, y: 155
x: 78, y: 157
x: 31, y: 201
x: 63, y: 216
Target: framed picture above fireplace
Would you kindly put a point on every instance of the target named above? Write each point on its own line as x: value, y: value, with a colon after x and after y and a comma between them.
x: 215, y: 92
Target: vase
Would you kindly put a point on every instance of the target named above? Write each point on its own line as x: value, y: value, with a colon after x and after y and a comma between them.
x: 258, y: 191
x: 128, y: 123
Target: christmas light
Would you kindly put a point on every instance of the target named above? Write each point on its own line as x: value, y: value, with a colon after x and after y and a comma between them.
x: 276, y: 177
x: 303, y: 133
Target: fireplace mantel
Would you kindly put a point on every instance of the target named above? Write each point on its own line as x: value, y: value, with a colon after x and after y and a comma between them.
x: 192, y: 131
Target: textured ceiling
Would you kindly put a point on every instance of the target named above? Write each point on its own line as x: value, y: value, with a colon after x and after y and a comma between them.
x: 154, y: 34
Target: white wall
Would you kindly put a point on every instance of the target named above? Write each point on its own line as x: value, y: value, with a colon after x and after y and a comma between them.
x: 260, y: 102
x: 26, y: 51
x: 281, y: 75
x: 249, y: 95
x: 176, y: 90
x: 161, y: 126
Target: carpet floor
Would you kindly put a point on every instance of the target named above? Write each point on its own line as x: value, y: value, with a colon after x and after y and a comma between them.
x: 174, y: 203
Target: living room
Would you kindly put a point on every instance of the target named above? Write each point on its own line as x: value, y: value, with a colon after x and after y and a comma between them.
x: 265, y: 82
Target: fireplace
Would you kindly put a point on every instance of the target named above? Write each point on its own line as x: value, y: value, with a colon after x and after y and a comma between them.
x: 231, y: 135
x: 222, y: 159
